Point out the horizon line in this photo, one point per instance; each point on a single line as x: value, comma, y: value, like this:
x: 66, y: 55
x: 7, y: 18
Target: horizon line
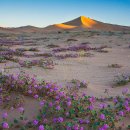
x: 60, y: 23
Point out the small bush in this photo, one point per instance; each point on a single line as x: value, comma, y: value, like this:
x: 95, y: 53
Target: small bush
x: 114, y: 66
x: 122, y: 80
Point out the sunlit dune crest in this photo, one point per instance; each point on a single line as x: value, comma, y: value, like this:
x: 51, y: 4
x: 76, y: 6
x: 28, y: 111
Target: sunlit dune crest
x: 87, y: 22
x: 82, y: 21
x: 64, y: 26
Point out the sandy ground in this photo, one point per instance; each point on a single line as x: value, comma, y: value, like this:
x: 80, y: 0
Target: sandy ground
x: 94, y: 69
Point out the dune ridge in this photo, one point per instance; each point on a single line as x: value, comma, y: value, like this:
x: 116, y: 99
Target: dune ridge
x: 88, y: 23
x: 81, y: 22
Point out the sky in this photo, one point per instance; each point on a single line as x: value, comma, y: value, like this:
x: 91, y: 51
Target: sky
x: 41, y: 13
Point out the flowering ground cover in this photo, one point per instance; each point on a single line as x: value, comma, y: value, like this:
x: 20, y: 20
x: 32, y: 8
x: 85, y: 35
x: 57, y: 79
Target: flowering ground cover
x: 24, y: 49
x: 59, y: 109
x: 72, y: 55
x: 80, y: 47
x: 8, y: 54
x: 44, y: 63
x: 60, y: 97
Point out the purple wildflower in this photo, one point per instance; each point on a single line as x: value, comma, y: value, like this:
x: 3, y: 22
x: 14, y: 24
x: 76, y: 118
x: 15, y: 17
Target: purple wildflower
x: 102, y: 106
x: 67, y: 113
x: 81, y: 128
x: 105, y: 126
x: 58, y: 108
x: 90, y: 107
x: 121, y: 113
x: 5, y: 115
x: 41, y: 127
x: 36, y: 96
x: 87, y: 121
x: 55, y: 120
x: 128, y: 109
x: 76, y: 127
x: 102, y: 116
x: 35, y: 86
x: 42, y: 103
x: 68, y: 128
x: 35, y: 122
x: 81, y: 121
x: 29, y: 91
x: 125, y: 91
x: 5, y: 125
x: 115, y: 100
x: 60, y: 119
x: 69, y: 103
x: 21, y: 109
x: 50, y: 104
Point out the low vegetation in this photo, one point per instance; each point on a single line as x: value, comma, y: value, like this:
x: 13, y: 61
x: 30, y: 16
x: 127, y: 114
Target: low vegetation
x: 59, y: 110
x: 122, y: 80
x: 114, y: 66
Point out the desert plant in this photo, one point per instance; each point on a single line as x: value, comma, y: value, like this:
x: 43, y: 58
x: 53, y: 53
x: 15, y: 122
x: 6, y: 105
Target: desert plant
x: 33, y: 49
x: 114, y: 66
x: 122, y: 80
x: 60, y: 110
x: 2, y: 59
x: 53, y: 46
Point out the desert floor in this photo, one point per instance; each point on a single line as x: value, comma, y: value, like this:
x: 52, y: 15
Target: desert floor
x: 93, y: 69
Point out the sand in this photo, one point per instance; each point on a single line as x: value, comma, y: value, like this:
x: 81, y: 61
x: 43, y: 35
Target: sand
x: 93, y: 69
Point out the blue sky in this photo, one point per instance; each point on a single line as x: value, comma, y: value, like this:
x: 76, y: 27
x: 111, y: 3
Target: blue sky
x: 41, y: 13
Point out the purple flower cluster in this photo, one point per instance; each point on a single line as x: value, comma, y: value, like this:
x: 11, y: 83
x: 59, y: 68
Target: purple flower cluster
x: 73, y: 48
x: 58, y: 120
x: 104, y: 127
x: 58, y: 109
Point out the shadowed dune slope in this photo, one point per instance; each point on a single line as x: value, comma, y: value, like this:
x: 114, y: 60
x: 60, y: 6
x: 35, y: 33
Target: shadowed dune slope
x: 79, y: 23
x: 85, y: 22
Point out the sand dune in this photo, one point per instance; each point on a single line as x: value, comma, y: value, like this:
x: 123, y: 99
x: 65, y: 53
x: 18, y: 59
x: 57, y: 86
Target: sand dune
x: 65, y: 26
x: 98, y: 67
x: 5, y: 30
x: 85, y: 22
x: 81, y: 22
x: 28, y: 29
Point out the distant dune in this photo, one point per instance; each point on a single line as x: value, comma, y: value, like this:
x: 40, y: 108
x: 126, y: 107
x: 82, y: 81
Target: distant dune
x: 5, y: 30
x: 81, y: 22
x: 28, y: 29
x: 85, y: 22
x: 65, y: 26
